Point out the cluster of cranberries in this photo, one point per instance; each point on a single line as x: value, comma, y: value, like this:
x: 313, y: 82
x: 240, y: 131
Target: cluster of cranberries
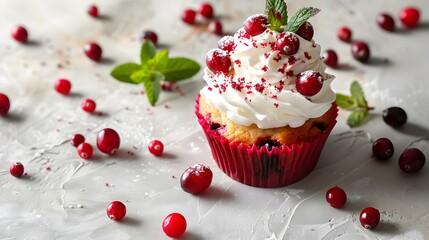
x: 63, y: 86
x: 205, y: 10
x: 108, y: 142
x: 409, y: 18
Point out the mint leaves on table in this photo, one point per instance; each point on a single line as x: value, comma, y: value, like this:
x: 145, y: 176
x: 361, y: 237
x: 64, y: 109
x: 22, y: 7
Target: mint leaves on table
x: 276, y: 11
x: 154, y: 68
x: 355, y: 103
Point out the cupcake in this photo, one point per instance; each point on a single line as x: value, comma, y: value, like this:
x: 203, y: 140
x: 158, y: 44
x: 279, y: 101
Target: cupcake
x: 268, y: 107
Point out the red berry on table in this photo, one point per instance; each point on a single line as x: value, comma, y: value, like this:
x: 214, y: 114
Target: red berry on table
x: 89, y: 105
x: 215, y: 27
x: 309, y: 83
x: 218, y: 61
x: 151, y: 36
x: 360, y: 51
x: 330, y: 58
x: 412, y: 160
x: 306, y: 31
x: 174, y: 225
x: 156, y: 147
x: 20, y: 34
x: 226, y: 43
x: 188, y: 16
x: 394, y: 116
x: 63, y: 86
x: 116, y: 210
x: 336, y: 197
x: 256, y: 24
x: 17, y: 169
x: 287, y: 43
x: 93, y: 51
x: 369, y: 217
x: 85, y: 150
x: 196, y: 179
x: 4, y: 104
x: 382, y: 148
x: 386, y: 22
x: 93, y: 11
x: 344, y: 34
x: 108, y: 141
x: 410, y: 17
x: 77, y: 139
x: 206, y: 10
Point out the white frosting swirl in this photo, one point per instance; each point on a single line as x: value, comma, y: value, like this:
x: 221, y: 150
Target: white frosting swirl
x: 261, y: 87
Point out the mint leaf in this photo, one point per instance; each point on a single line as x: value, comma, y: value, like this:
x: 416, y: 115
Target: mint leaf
x: 147, y: 52
x: 152, y: 86
x: 346, y: 102
x: 159, y: 61
x: 300, y: 17
x: 179, y: 68
x: 276, y: 11
x: 358, y: 95
x: 357, y: 118
x: 124, y: 71
x: 139, y: 76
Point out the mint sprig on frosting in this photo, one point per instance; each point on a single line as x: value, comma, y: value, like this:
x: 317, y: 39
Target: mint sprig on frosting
x: 276, y: 11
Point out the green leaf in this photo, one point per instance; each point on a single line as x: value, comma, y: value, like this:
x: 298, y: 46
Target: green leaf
x: 147, y: 52
x: 300, y: 17
x: 159, y: 61
x: 152, y: 86
x: 276, y: 10
x: 358, y: 95
x: 124, y: 71
x: 179, y: 68
x: 139, y: 76
x: 357, y: 118
x: 346, y: 102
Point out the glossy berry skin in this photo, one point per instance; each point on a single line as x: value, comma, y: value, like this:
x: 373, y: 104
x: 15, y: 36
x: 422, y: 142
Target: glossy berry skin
x: 360, y: 51
x: 369, y: 217
x: 218, y: 61
x: 63, y: 86
x: 206, y: 10
x: 287, y: 43
x: 410, y: 17
x: 85, y: 150
x: 17, y: 169
x: 151, y: 36
x: 309, y: 83
x: 174, y: 225
x: 93, y: 11
x: 330, y: 58
x: 108, y: 141
x: 156, y: 147
x: 394, y: 116
x: 188, y: 16
x: 93, y: 51
x: 386, y: 22
x: 336, y: 197
x: 306, y: 31
x: 196, y: 179
x: 20, y: 34
x: 382, y: 148
x: 116, y: 210
x: 226, y: 43
x: 256, y: 24
x: 77, y: 139
x: 412, y: 160
x: 4, y: 104
x: 89, y: 105
x: 345, y: 34
x: 215, y: 27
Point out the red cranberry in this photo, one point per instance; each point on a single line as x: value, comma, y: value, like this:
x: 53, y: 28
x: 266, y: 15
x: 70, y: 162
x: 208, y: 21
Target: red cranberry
x: 4, y: 104
x: 360, y: 51
x: 394, y: 116
x: 89, y: 105
x: 369, y: 217
x: 412, y: 160
x: 215, y: 27
x: 226, y: 43
x: 156, y: 147
x: 116, y: 210
x: 63, y: 86
x: 206, y: 10
x: 151, y: 36
x: 85, y: 150
x: 256, y: 24
x: 188, y: 16
x: 410, y: 17
x: 309, y: 83
x: 93, y: 11
x: 382, y: 148
x: 108, y: 141
x: 16, y: 169
x: 287, y: 43
x: 344, y: 34
x: 306, y: 31
x: 174, y: 225
x: 330, y: 58
x: 218, y: 61
x: 93, y: 51
x: 196, y: 179
x: 386, y: 22
x: 77, y: 139
x: 20, y: 34
x: 336, y: 197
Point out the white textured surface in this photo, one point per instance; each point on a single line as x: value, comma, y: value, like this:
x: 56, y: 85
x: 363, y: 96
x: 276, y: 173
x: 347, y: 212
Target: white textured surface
x: 69, y: 201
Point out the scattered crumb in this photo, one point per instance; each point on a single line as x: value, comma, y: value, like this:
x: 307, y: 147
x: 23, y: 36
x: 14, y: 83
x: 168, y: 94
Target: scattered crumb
x: 107, y: 184
x: 174, y: 177
x: 59, y: 65
x: 149, y: 111
x: 48, y: 168
x: 166, y: 106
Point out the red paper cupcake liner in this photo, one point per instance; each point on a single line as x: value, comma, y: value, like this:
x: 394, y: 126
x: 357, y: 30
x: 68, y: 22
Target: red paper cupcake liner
x: 259, y: 167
